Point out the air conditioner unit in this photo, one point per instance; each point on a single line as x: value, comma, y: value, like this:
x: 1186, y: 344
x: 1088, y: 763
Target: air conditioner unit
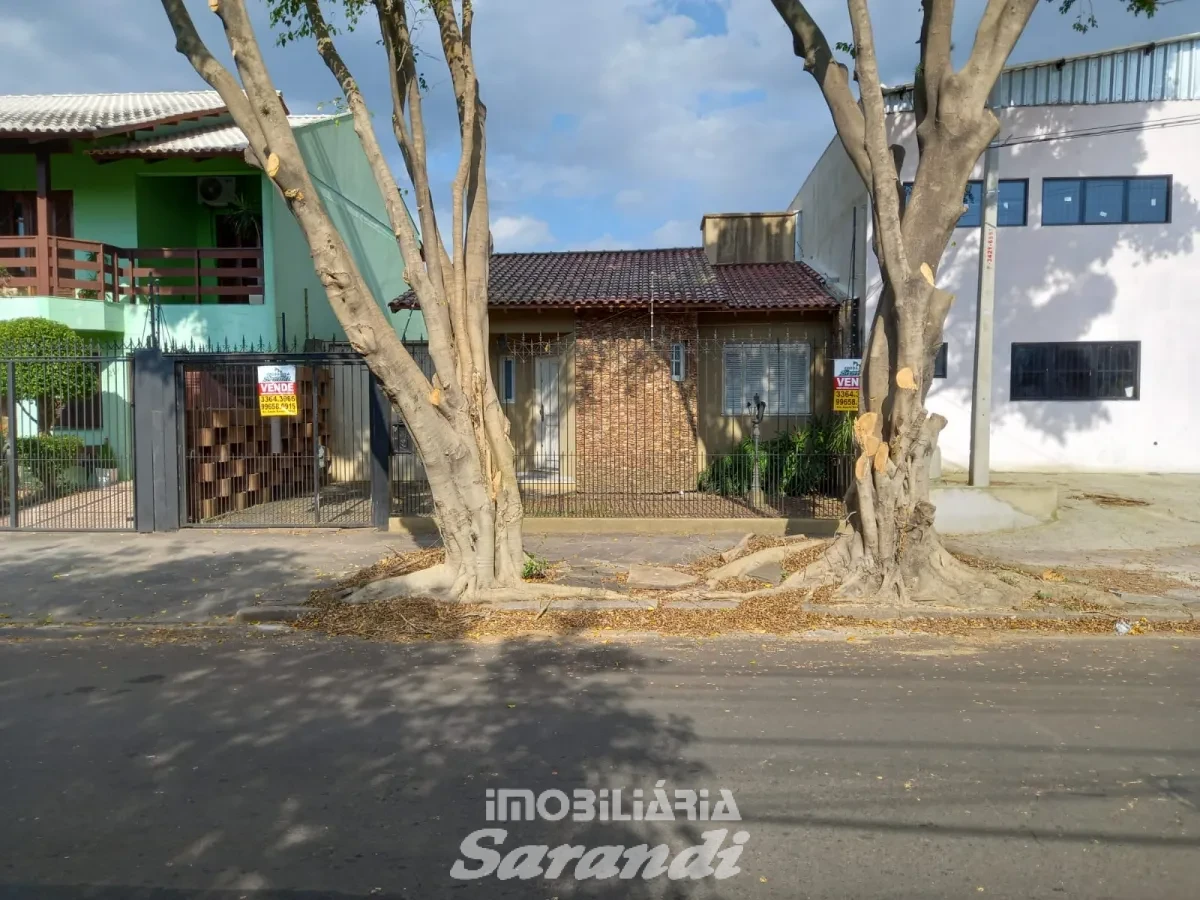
x: 216, y: 190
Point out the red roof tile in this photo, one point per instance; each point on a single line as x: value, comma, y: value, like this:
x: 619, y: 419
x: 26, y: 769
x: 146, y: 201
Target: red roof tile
x: 678, y: 277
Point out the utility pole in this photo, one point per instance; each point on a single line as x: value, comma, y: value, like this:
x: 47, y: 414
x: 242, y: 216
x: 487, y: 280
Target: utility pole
x: 981, y: 392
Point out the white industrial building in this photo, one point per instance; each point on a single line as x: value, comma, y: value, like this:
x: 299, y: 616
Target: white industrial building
x: 1097, y: 302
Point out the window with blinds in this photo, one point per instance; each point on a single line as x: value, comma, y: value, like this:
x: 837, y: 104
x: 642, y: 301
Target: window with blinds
x: 778, y: 373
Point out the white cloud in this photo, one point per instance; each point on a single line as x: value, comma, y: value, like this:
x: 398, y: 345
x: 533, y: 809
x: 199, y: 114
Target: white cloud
x: 517, y: 233
x: 604, y: 242
x: 627, y: 110
x: 629, y: 197
x: 677, y: 233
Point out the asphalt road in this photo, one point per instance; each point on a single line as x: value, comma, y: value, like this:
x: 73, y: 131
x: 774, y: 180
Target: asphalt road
x: 304, y: 768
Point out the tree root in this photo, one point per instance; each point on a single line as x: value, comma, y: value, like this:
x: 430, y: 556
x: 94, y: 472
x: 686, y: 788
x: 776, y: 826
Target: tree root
x: 925, y: 575
x: 436, y: 582
x: 443, y: 585
x: 744, y: 564
x: 548, y: 592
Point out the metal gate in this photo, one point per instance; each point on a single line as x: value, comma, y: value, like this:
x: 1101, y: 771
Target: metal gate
x: 66, y: 435
x: 242, y: 469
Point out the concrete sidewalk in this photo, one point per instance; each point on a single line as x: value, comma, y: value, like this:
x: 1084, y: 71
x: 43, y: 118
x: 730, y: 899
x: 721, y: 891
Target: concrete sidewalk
x: 1133, y: 522
x: 207, y: 575
x: 1144, y: 523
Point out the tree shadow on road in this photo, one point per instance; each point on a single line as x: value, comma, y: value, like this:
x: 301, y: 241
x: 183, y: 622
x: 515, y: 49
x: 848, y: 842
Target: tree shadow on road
x: 343, y: 769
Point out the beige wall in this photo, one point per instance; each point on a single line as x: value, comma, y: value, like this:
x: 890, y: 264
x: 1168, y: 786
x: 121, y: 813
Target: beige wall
x: 720, y: 433
x: 749, y: 237
x: 833, y: 209
x: 526, y: 336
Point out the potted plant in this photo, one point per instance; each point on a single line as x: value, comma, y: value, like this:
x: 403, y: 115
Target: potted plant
x: 6, y: 288
x: 107, y: 472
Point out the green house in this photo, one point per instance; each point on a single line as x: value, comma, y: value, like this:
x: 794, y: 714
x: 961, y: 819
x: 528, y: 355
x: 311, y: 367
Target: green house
x: 114, y: 205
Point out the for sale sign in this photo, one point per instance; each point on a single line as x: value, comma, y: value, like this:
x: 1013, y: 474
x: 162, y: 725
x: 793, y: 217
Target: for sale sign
x: 847, y: 375
x: 277, y: 391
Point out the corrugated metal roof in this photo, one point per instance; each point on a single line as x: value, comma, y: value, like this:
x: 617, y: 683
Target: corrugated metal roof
x: 225, y: 138
x: 1160, y: 70
x: 89, y: 114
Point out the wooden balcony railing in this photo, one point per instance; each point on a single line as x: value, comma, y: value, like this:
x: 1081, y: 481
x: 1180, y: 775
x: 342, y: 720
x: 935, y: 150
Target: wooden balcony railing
x: 87, y: 270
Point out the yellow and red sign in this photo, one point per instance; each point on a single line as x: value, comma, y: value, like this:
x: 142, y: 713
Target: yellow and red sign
x: 847, y: 381
x: 845, y: 400
x: 277, y: 391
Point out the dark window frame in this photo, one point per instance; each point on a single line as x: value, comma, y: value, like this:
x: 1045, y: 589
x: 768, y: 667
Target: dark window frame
x: 1124, y: 219
x: 1024, y: 182
x: 1053, y: 375
x: 941, y: 363
x: 908, y: 186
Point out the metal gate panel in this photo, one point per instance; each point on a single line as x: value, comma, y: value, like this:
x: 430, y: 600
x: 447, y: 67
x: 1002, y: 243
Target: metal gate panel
x: 242, y: 469
x: 67, y: 439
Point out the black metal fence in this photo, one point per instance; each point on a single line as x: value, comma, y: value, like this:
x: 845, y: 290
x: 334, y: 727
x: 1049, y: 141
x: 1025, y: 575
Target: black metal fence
x: 608, y: 423
x: 309, y: 467
x: 618, y: 422
x: 66, y: 422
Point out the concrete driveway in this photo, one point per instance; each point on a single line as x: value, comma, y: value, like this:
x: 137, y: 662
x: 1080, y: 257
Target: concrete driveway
x: 1137, y: 522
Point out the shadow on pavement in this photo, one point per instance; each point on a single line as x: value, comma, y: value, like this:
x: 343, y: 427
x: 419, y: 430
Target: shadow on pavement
x: 346, y: 770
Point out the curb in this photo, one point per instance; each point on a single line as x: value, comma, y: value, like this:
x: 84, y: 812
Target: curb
x: 33, y: 629
x: 255, y: 614
x: 907, y: 614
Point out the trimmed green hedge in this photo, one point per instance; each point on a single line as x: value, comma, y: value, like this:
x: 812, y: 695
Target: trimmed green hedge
x: 47, y: 379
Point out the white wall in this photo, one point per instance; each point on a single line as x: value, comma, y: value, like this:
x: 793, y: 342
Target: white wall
x: 827, y: 203
x: 1082, y: 283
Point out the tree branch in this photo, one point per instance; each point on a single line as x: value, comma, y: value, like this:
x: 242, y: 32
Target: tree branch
x: 432, y: 308
x: 885, y: 182
x: 189, y: 44
x: 937, y: 22
x: 259, y: 113
x: 809, y: 43
x: 1000, y: 26
x: 406, y: 93
x: 466, y: 93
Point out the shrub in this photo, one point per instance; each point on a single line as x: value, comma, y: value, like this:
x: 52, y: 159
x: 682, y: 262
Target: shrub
x: 102, y: 457
x: 46, y: 380
x: 48, y: 456
x: 535, y: 567
x: 70, y: 480
x: 804, y: 461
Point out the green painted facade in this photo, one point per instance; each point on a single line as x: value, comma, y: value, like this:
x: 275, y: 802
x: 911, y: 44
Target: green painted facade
x: 343, y: 179
x: 140, y: 203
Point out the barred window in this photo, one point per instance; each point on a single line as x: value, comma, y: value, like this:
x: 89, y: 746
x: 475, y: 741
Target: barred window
x: 1080, y: 370
x: 778, y: 373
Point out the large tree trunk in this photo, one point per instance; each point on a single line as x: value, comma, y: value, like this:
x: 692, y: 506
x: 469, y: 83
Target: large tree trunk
x: 455, y: 417
x: 890, y: 550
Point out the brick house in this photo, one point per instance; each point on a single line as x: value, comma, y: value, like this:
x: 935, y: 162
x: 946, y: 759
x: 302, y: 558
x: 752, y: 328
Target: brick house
x: 628, y: 371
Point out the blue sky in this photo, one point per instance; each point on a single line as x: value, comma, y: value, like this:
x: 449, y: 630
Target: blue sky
x: 612, y: 123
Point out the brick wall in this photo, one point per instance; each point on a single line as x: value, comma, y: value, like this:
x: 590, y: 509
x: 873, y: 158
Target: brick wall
x: 635, y: 428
